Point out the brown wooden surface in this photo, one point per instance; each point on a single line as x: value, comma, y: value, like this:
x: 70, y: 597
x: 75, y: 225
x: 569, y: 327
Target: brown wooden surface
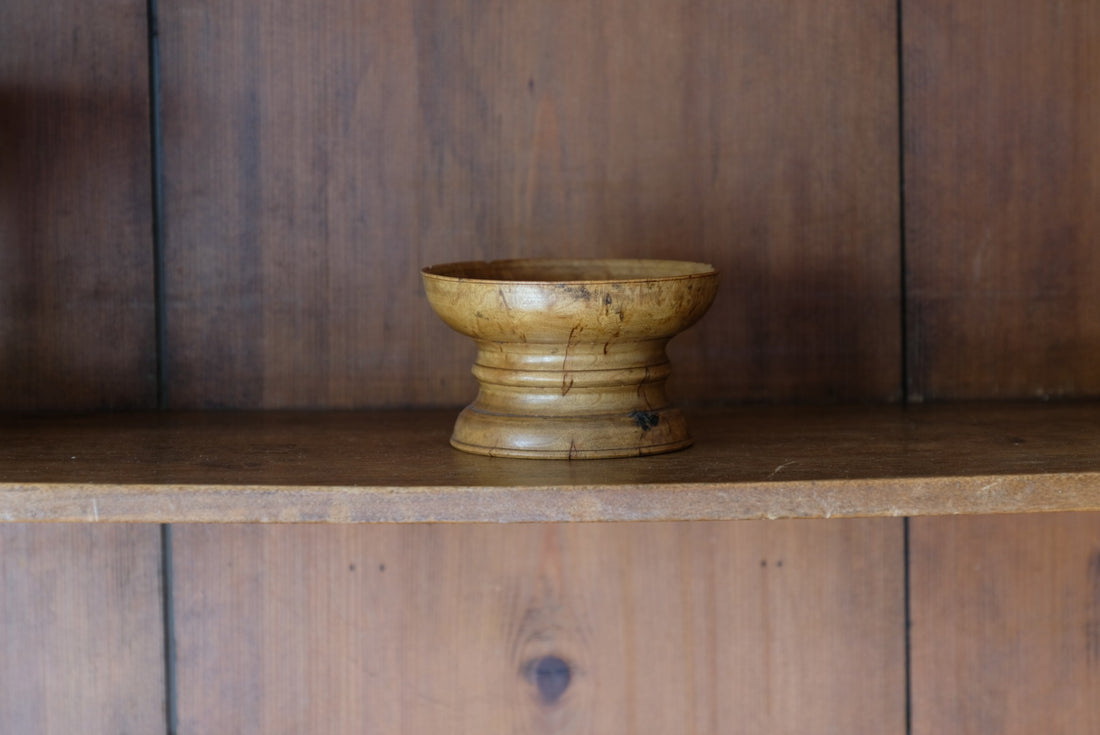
x: 1006, y: 624
x: 785, y: 627
x: 81, y: 645
x: 1002, y: 183
x: 397, y: 466
x: 76, y: 256
x: 1001, y: 161
x: 317, y: 157
x: 81, y: 629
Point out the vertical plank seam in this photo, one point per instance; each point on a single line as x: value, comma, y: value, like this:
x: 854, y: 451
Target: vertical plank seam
x: 171, y: 718
x: 156, y: 152
x: 905, y: 377
x: 156, y: 156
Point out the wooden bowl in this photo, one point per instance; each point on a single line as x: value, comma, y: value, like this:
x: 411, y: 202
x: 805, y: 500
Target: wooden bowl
x: 571, y: 356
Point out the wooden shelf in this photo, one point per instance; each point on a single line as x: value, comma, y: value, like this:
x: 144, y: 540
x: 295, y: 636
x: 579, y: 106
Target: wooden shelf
x: 396, y: 466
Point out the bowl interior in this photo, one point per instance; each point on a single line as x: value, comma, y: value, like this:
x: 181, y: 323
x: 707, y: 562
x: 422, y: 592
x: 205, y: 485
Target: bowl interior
x: 552, y: 270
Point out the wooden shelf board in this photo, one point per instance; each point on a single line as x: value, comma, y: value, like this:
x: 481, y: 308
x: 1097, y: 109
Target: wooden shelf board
x: 396, y: 466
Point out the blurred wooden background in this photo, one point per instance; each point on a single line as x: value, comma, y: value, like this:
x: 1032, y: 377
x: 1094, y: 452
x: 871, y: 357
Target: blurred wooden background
x: 897, y: 216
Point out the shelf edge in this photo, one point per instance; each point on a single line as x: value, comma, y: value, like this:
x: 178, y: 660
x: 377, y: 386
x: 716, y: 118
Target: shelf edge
x: 837, y: 498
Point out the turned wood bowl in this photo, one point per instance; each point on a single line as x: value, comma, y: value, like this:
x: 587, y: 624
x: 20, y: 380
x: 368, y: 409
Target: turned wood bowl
x: 571, y: 360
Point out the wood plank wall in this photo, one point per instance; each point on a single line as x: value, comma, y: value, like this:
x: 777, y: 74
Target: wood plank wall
x: 81, y: 629
x: 1001, y: 189
x: 664, y: 627
x: 316, y: 156
x: 1002, y: 181
x: 81, y: 620
x: 76, y: 297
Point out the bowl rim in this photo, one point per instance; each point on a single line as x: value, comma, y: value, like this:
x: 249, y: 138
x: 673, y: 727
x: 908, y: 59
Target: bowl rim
x: 701, y: 270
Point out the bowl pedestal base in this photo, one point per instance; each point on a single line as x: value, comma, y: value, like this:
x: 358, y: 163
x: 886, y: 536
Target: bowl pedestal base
x: 572, y: 401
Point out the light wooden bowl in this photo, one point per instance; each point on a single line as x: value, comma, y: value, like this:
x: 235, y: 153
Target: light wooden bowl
x: 571, y: 353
